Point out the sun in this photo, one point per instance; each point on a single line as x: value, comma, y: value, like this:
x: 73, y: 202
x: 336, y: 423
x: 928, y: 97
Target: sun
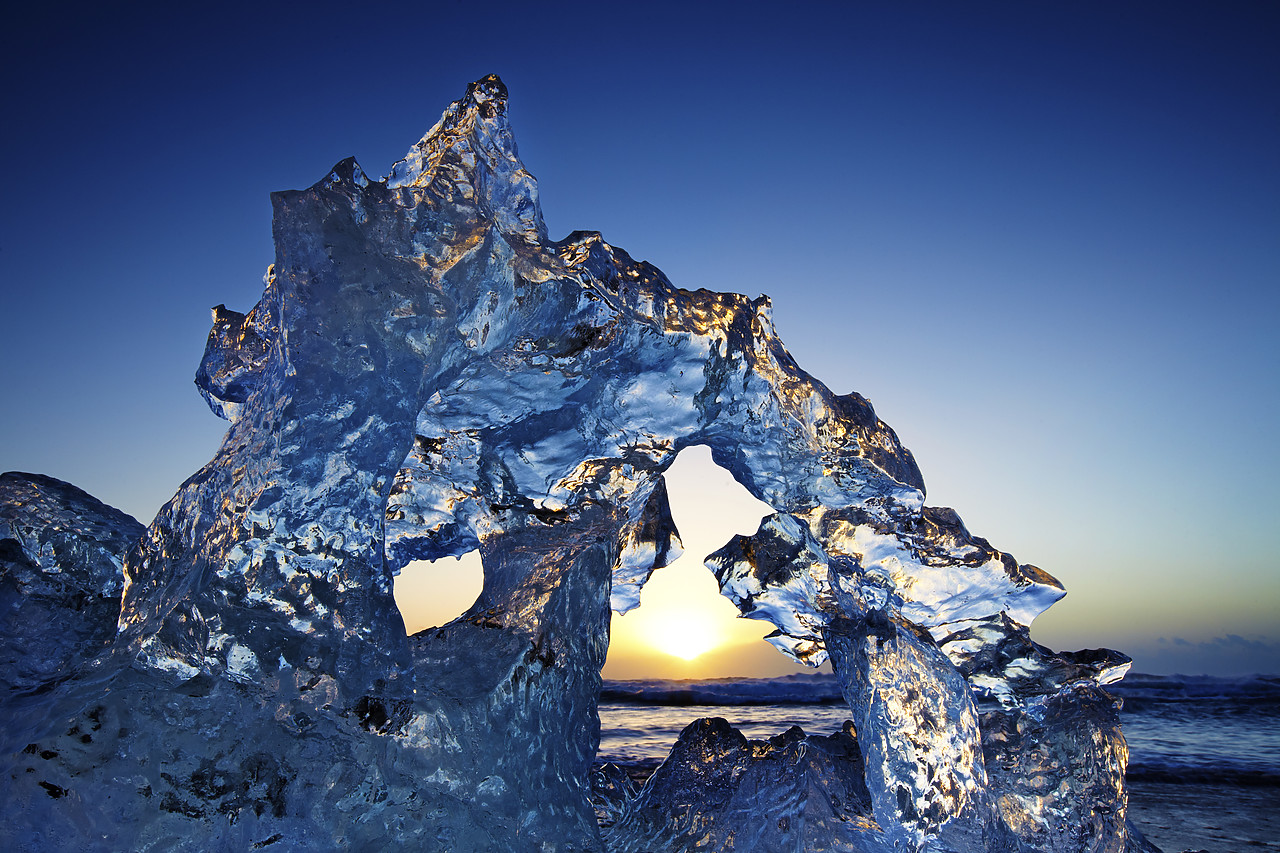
x: 683, y: 634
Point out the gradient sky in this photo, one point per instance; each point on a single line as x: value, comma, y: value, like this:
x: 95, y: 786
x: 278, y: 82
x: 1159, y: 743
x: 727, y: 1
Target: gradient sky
x: 1043, y: 238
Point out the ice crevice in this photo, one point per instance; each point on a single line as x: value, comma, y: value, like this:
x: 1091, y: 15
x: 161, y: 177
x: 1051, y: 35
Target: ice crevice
x: 428, y: 374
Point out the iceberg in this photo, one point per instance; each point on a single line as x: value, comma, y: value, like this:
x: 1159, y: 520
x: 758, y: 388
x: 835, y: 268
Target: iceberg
x: 61, y: 578
x: 720, y: 791
x: 428, y: 374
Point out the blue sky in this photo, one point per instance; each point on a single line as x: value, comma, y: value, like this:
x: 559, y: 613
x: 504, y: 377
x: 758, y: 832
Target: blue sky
x: 1043, y: 239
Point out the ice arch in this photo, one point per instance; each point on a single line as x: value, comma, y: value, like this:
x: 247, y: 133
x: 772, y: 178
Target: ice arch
x: 428, y: 374
x: 684, y: 627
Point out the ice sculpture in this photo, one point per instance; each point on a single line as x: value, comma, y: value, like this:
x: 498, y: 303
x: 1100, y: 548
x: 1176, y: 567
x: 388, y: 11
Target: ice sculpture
x: 428, y: 374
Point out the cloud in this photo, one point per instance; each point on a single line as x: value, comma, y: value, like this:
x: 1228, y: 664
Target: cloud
x: 1230, y: 654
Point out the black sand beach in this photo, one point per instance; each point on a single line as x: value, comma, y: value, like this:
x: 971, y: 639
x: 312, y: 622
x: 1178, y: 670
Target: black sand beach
x: 1214, y: 818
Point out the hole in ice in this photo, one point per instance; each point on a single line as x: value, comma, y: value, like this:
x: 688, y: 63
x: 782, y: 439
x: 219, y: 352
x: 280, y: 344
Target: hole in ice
x: 681, y: 608
x: 684, y: 627
x: 431, y: 593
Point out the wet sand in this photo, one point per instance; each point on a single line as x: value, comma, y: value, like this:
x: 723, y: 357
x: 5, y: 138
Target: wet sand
x: 1213, y: 818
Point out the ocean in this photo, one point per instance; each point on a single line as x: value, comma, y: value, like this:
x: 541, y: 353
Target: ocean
x: 1204, y: 752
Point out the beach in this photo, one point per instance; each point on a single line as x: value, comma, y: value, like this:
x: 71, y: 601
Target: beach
x: 1212, y: 817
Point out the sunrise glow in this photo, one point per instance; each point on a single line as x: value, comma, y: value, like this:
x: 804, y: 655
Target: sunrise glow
x: 684, y: 627
x: 682, y: 634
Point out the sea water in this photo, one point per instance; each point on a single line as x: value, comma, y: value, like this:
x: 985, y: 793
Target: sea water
x: 635, y: 734
x: 1179, y: 728
x: 1202, y: 729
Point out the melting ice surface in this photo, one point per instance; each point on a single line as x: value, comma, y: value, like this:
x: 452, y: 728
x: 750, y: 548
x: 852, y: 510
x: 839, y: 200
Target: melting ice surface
x: 428, y: 374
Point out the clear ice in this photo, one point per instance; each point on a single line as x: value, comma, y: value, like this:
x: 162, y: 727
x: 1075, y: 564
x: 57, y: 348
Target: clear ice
x: 428, y: 374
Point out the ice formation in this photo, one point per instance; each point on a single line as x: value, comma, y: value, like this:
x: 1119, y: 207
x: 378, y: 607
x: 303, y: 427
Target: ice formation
x: 427, y: 374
